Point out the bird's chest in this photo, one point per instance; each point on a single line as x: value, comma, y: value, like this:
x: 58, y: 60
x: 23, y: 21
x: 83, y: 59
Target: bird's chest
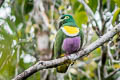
x: 71, y: 45
x: 70, y: 31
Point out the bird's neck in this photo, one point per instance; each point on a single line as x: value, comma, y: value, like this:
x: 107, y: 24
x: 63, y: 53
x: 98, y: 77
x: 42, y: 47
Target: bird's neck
x: 70, y: 24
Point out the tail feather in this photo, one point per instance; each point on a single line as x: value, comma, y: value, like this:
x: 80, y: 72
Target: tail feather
x: 63, y: 68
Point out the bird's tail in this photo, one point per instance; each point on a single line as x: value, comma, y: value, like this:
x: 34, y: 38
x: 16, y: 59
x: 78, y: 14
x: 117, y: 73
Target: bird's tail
x: 64, y: 66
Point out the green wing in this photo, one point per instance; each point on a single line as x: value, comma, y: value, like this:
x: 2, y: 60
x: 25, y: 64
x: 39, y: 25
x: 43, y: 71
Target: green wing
x: 81, y: 36
x: 57, y: 49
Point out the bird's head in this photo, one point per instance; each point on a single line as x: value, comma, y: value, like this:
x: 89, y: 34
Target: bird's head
x: 65, y: 19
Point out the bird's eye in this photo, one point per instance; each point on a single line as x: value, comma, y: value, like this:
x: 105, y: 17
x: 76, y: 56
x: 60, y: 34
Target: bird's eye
x: 66, y: 17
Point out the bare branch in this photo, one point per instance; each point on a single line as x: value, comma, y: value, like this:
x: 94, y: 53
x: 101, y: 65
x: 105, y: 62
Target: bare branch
x: 98, y: 70
x: 100, y: 8
x: 1, y: 2
x: 108, y: 4
x: 84, y: 73
x: 110, y: 55
x: 87, y: 8
x: 90, y: 12
x: 111, y: 74
x: 103, y: 61
x: 53, y: 63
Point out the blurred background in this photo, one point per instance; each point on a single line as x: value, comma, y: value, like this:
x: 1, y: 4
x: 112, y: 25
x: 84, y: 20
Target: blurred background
x: 28, y: 29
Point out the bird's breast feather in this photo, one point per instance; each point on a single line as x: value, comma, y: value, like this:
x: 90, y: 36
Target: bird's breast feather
x: 70, y: 31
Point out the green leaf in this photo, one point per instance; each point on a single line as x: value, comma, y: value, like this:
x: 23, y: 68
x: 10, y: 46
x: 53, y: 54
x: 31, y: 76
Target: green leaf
x: 93, y: 4
x: 7, y: 60
x: 117, y: 2
x: 81, y: 18
x: 28, y: 6
x: 115, y: 16
x: 77, y: 6
x: 11, y: 25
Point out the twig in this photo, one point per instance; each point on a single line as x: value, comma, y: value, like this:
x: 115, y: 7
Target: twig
x: 40, y: 10
x: 98, y: 70
x: 1, y: 2
x: 100, y: 8
x: 90, y: 12
x: 87, y: 8
x: 108, y: 4
x: 104, y: 47
x: 84, y: 73
x: 103, y: 61
x: 97, y: 31
x: 110, y: 55
x: 53, y: 63
x: 112, y: 73
x: 18, y: 58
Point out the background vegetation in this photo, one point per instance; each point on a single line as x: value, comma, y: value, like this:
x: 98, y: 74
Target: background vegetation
x: 28, y: 28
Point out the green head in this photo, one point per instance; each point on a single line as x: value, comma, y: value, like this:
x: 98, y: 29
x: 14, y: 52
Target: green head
x: 67, y: 20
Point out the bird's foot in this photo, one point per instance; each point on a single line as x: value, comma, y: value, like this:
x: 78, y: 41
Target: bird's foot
x: 72, y: 57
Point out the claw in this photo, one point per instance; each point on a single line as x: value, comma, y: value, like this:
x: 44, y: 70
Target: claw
x: 72, y: 56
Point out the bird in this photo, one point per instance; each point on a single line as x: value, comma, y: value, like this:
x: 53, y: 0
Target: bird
x: 69, y: 39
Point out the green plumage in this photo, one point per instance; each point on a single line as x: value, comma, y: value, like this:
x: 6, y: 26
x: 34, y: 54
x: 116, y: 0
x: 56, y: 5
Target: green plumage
x: 58, y: 50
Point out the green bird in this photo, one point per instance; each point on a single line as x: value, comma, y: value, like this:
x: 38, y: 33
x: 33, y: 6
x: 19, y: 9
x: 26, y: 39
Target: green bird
x: 69, y: 39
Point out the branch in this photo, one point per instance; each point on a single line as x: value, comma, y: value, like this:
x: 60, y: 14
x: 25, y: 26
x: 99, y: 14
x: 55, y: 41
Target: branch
x: 103, y: 61
x: 1, y: 2
x: 110, y: 55
x: 53, y: 63
x: 111, y: 74
x: 90, y: 12
x: 87, y: 8
x: 108, y: 4
x: 100, y: 8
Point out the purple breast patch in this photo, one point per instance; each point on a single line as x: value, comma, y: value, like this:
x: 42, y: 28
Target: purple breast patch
x: 71, y: 45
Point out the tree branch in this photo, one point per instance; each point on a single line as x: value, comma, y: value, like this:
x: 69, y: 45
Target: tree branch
x: 1, y: 2
x: 111, y: 74
x: 108, y: 4
x: 100, y: 8
x: 87, y: 8
x: 53, y: 63
x: 90, y: 13
x: 103, y: 61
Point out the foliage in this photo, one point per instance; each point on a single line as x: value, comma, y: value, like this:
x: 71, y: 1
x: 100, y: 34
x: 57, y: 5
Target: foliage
x: 25, y: 23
